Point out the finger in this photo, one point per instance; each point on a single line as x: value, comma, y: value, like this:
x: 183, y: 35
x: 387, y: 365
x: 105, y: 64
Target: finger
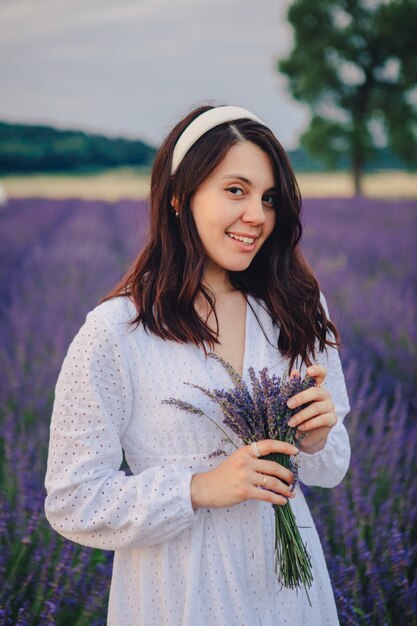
x: 269, y: 446
x: 295, y: 373
x: 314, y: 409
x: 254, y: 493
x: 326, y: 420
x: 318, y: 372
x: 312, y: 394
x: 274, y: 469
x: 273, y: 484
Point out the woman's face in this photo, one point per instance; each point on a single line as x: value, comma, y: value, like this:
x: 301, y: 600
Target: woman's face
x: 234, y: 207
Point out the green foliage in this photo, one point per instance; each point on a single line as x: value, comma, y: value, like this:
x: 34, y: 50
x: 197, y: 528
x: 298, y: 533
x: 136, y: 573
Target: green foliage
x: 355, y: 63
x: 25, y: 148
x: 383, y: 159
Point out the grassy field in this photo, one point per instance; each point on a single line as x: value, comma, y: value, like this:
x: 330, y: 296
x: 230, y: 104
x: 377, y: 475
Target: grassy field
x: 113, y: 185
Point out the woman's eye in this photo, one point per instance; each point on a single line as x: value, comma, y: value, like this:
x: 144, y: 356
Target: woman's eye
x: 269, y: 198
x: 235, y: 190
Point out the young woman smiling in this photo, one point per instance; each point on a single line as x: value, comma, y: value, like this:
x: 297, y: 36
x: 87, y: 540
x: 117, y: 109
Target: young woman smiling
x: 222, y: 272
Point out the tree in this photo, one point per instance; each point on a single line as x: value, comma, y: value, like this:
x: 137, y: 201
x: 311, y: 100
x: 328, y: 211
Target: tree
x: 355, y: 63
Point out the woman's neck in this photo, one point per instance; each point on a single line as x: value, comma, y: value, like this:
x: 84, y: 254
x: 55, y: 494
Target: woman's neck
x: 217, y: 280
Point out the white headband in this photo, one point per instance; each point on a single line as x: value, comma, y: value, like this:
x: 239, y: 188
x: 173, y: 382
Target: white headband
x: 203, y: 123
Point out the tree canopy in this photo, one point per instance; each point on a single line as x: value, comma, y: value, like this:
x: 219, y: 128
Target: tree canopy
x: 33, y: 148
x: 354, y: 62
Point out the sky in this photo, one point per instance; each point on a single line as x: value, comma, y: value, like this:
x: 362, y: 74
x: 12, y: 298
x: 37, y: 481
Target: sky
x: 135, y: 67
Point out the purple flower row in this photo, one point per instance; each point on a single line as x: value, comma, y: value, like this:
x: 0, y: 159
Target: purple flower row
x: 62, y: 256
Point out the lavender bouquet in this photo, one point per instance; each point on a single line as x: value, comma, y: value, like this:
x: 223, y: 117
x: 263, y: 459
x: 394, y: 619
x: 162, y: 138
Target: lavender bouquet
x: 262, y: 413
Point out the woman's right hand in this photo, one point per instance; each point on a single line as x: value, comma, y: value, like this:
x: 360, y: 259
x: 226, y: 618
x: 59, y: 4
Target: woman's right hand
x: 241, y: 475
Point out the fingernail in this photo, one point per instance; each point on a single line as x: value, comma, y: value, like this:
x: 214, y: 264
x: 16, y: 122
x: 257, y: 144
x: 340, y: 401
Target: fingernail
x: 295, y: 451
x: 291, y: 422
x: 291, y: 403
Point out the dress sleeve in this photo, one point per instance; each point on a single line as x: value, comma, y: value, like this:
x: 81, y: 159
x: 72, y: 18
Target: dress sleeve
x: 327, y: 467
x: 89, y: 499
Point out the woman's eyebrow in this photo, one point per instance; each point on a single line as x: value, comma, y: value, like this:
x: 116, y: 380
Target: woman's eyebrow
x: 245, y: 180
x: 237, y: 176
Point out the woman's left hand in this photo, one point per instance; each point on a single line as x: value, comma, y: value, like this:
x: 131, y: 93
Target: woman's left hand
x: 318, y: 418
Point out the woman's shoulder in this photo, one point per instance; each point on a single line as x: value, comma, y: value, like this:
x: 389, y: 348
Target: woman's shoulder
x: 114, y: 314
x: 323, y: 302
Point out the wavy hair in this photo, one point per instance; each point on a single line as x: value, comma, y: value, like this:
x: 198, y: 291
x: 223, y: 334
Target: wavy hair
x: 167, y: 277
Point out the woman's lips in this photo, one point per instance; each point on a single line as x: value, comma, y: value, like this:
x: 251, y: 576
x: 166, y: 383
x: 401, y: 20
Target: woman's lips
x: 242, y: 237
x: 243, y: 242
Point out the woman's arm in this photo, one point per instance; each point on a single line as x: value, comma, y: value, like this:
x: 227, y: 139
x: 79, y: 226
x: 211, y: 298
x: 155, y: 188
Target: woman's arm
x: 89, y: 500
x: 325, y: 452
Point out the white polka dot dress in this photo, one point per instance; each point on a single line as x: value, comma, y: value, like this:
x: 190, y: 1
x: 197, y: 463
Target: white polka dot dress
x: 174, y: 566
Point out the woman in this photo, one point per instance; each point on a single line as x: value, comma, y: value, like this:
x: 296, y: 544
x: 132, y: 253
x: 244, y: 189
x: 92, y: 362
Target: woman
x: 222, y: 272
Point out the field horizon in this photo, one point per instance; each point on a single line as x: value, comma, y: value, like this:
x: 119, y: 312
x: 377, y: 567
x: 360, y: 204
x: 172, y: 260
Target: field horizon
x: 127, y: 183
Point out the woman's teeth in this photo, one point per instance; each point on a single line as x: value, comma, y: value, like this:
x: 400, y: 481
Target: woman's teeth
x: 247, y: 240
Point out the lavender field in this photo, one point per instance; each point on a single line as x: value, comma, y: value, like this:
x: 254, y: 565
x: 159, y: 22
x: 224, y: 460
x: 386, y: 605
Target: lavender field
x: 57, y: 258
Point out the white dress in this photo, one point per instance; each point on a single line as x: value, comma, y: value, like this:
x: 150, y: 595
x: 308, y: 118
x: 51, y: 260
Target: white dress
x: 173, y: 566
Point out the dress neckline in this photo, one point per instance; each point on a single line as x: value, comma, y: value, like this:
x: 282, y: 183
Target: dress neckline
x: 248, y: 319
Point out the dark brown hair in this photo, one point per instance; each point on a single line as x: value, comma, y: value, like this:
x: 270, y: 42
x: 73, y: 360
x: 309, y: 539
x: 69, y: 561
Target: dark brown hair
x: 167, y: 276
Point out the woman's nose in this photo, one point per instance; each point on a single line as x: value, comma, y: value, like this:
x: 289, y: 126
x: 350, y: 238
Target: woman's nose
x: 254, y: 212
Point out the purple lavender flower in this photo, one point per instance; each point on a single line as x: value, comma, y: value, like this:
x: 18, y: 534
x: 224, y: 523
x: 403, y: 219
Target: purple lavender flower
x: 58, y: 257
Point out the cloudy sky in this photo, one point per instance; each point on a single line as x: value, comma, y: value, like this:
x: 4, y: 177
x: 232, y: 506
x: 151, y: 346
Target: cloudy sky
x: 133, y: 67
